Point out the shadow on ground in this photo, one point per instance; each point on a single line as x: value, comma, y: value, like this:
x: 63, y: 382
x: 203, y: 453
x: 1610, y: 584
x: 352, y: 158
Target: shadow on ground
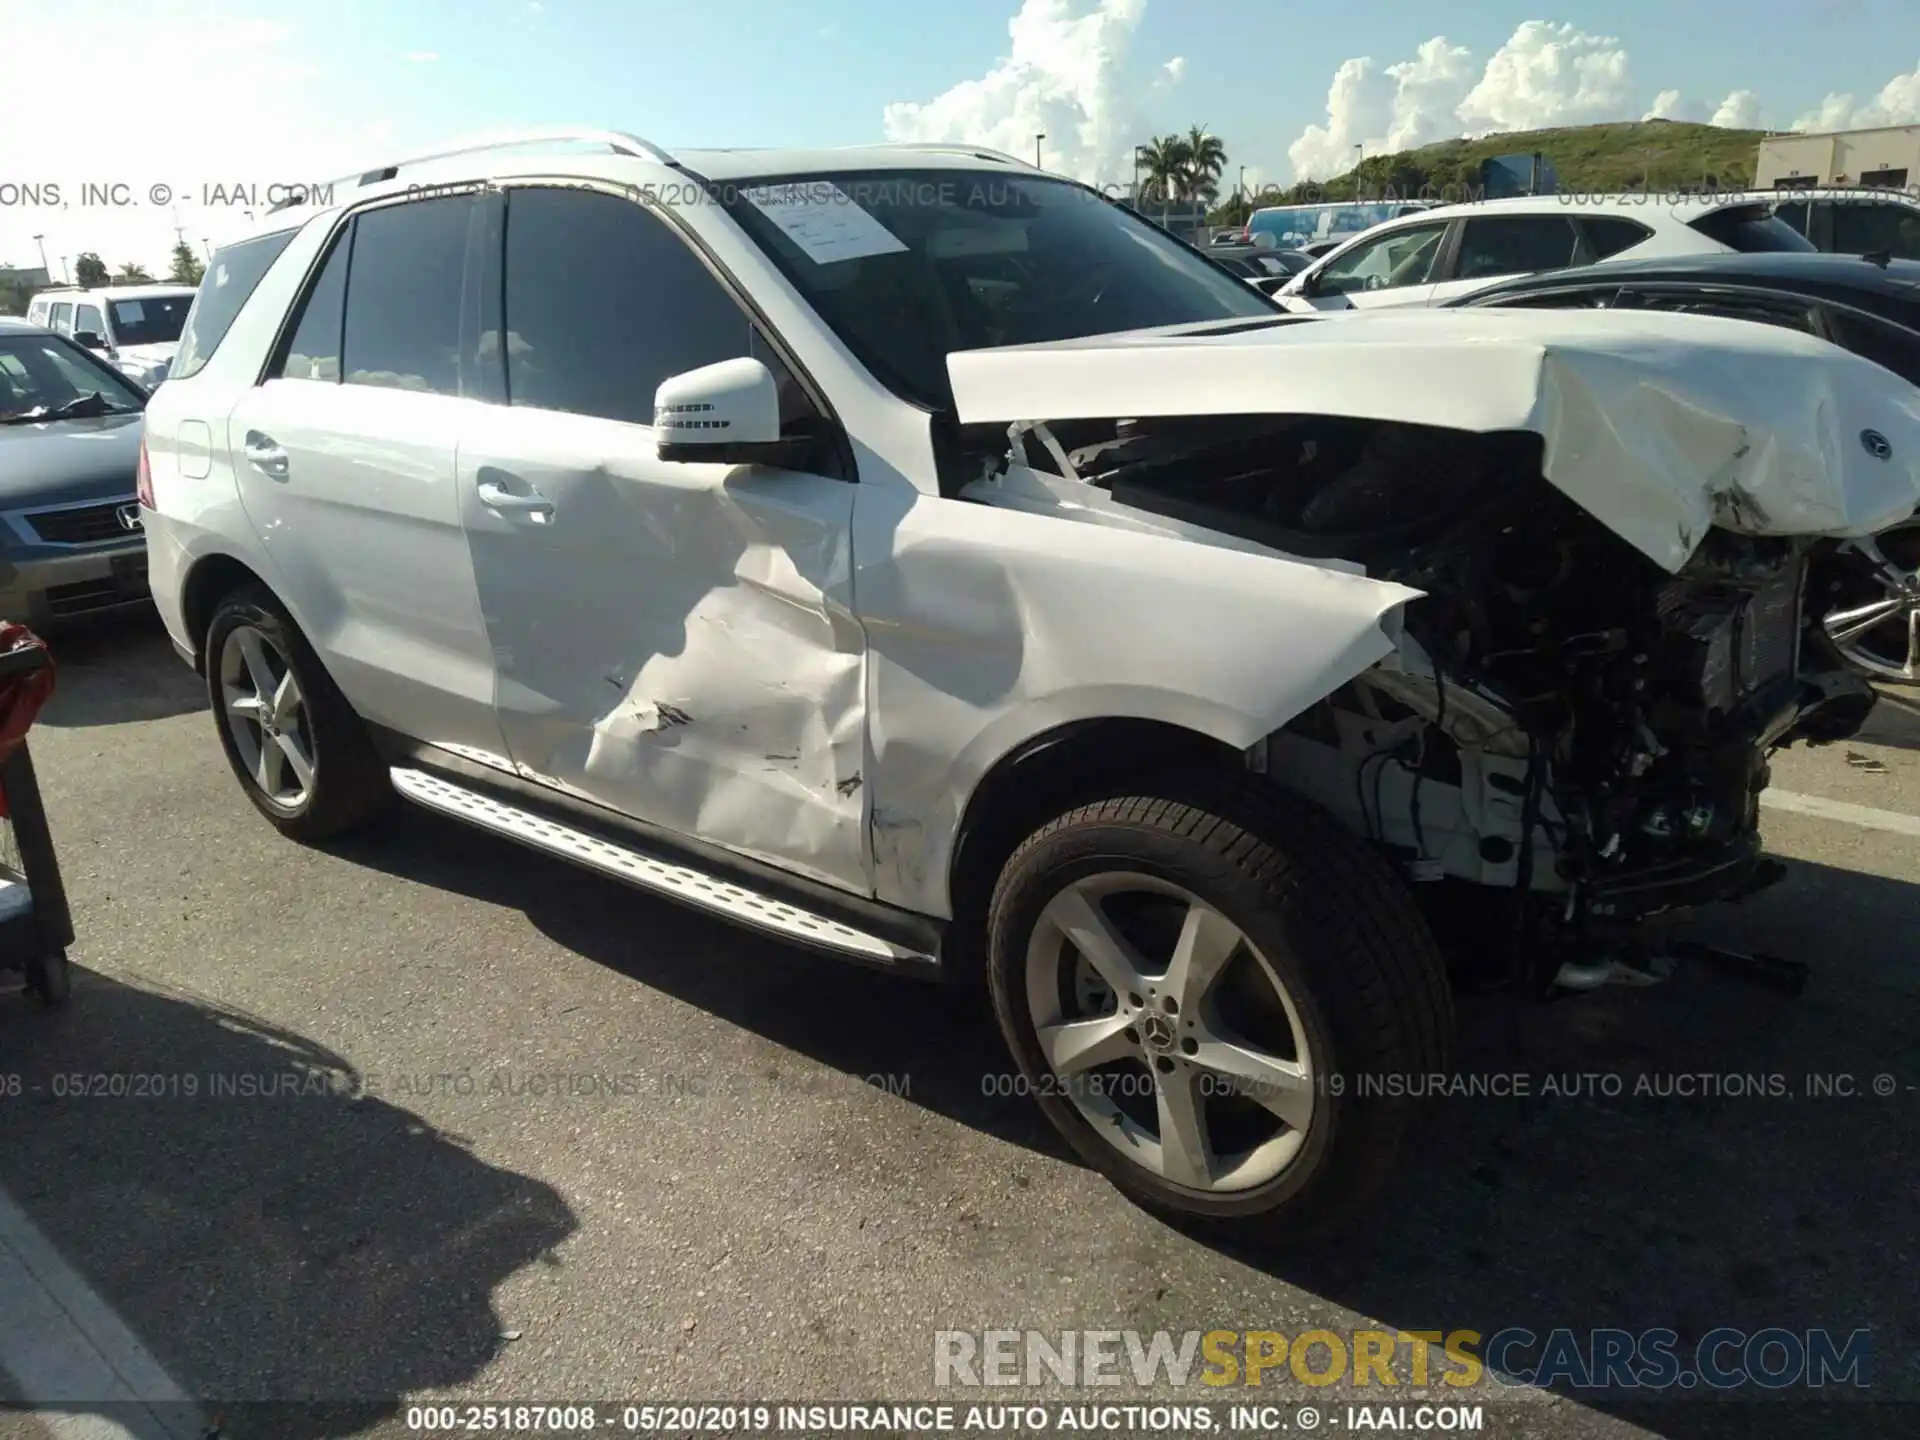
x: 1745, y: 1202
x: 1895, y: 720
x: 338, y: 1247
x: 116, y: 669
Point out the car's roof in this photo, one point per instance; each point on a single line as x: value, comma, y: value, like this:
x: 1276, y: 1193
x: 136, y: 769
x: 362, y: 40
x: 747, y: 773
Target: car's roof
x: 1852, y: 271
x: 1637, y: 204
x: 727, y: 166
x: 747, y: 164
x: 1342, y: 204
x: 13, y: 325
x: 1892, y: 290
x: 144, y: 292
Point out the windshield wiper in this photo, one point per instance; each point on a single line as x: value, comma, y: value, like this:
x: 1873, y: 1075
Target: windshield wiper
x: 83, y: 406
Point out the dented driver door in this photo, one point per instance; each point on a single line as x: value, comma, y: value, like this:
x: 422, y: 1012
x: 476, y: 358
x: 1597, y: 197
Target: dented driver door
x: 672, y: 640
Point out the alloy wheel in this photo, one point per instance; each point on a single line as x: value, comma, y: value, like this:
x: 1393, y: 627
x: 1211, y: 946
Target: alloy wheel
x: 1877, y: 624
x: 267, y: 716
x: 1170, y: 1032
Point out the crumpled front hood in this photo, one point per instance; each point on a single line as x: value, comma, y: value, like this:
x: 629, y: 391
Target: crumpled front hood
x: 1660, y: 426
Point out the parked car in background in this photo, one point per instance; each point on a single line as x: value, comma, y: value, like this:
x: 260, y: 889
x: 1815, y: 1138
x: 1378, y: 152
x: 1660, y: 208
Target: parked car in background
x: 1444, y: 253
x: 1855, y: 222
x: 71, y: 542
x: 1870, y: 308
x: 1291, y: 227
x: 136, y: 327
x: 1263, y: 267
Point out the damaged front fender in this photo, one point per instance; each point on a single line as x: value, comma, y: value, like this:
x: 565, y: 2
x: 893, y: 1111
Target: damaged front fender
x: 988, y: 626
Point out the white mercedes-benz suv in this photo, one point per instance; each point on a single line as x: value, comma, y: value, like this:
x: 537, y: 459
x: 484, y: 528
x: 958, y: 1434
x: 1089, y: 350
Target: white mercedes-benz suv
x: 922, y: 558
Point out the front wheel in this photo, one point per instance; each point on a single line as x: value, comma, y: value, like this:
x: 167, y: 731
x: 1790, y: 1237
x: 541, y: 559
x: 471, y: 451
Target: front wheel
x: 1216, y: 995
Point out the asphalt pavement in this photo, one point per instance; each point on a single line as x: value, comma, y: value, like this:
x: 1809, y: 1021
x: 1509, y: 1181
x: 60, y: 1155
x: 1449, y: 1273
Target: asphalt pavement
x: 425, y: 1115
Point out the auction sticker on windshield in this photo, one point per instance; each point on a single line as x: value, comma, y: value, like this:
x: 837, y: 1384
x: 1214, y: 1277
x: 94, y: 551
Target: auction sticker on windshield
x: 823, y: 221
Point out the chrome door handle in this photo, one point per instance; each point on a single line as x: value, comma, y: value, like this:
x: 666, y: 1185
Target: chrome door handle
x: 494, y: 498
x: 266, y: 456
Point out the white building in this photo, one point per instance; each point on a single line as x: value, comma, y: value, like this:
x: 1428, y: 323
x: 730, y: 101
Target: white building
x: 1887, y: 156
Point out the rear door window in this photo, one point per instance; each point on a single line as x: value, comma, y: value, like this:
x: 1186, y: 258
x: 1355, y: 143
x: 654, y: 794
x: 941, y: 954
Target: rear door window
x: 63, y: 318
x: 404, y: 293
x: 1516, y: 245
x: 224, y: 289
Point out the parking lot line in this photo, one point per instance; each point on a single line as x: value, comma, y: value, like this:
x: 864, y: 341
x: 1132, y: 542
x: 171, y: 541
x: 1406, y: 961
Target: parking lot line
x: 65, y: 1350
x: 1846, y: 813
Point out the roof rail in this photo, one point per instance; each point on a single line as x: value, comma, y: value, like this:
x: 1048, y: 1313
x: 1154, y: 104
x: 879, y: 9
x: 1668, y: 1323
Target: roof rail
x: 950, y: 148
x: 617, y: 141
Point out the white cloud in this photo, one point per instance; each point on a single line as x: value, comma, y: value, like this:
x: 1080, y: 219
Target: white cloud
x: 423, y: 57
x: 218, y: 64
x: 1739, y: 111
x: 1898, y: 103
x: 1066, y: 76
x: 1548, y: 75
x: 1373, y: 111
x: 1544, y: 75
x: 1667, y: 106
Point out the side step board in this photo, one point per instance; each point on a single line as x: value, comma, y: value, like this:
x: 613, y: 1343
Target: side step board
x: 670, y: 878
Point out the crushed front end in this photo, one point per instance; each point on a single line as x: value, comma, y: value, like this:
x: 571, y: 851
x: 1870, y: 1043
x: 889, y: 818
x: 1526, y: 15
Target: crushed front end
x: 1566, y: 725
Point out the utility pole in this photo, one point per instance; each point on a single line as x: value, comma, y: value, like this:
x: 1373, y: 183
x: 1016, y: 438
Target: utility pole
x: 41, y: 241
x: 1036, y: 150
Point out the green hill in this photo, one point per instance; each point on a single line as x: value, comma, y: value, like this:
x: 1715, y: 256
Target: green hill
x: 1602, y: 159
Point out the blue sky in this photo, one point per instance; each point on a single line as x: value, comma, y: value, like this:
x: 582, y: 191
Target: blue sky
x: 257, y: 91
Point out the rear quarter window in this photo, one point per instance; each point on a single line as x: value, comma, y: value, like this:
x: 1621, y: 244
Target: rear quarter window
x: 1609, y: 235
x: 230, y: 279
x: 1751, y: 229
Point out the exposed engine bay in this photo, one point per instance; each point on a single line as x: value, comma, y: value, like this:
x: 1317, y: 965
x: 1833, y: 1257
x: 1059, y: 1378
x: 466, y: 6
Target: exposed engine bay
x: 1564, y: 718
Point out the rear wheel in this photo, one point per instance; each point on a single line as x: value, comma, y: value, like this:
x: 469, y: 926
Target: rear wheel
x: 1206, y: 987
x: 300, y: 753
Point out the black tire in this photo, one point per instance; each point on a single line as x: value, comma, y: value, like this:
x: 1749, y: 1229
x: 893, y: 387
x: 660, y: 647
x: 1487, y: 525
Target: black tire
x: 350, y: 785
x: 1342, y: 933
x: 49, y: 979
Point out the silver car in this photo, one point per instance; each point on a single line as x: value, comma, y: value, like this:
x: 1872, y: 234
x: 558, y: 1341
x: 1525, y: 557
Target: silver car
x: 71, y: 542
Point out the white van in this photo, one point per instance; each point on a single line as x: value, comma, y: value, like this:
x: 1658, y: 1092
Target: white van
x: 134, y: 327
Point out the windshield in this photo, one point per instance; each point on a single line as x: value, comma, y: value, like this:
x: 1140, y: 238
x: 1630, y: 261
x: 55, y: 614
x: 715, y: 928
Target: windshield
x: 43, y: 372
x: 151, y: 320
x: 909, y: 266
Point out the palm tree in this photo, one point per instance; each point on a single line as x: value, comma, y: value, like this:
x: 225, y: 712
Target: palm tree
x: 1206, y: 162
x: 1165, y: 159
x: 132, y: 273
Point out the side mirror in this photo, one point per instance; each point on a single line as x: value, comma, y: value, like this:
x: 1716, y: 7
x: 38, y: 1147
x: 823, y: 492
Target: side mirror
x: 725, y: 413
x: 91, y: 339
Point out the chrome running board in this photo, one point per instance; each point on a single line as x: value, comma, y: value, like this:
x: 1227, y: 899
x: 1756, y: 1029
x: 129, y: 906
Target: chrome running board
x: 670, y: 878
